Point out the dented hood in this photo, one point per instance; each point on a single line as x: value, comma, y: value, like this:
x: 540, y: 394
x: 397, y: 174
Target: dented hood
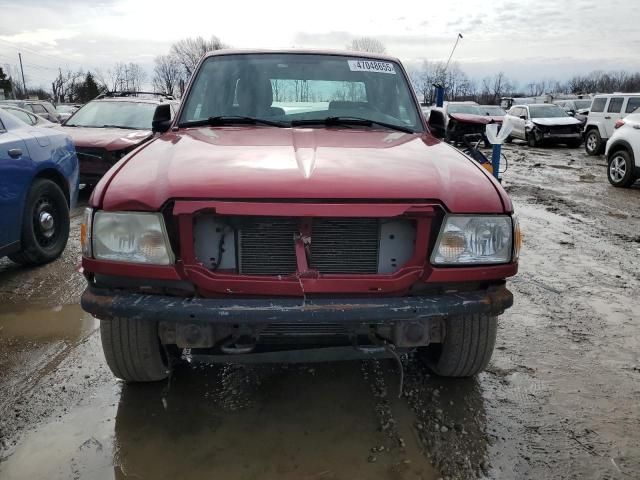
x: 110, y: 139
x: 298, y: 163
x: 556, y: 121
x: 470, y: 118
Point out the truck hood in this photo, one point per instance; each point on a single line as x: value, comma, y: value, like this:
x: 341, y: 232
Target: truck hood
x: 111, y: 139
x: 470, y: 118
x: 298, y: 163
x: 556, y: 121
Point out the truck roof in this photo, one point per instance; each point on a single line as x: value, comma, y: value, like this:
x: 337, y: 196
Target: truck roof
x: 301, y: 51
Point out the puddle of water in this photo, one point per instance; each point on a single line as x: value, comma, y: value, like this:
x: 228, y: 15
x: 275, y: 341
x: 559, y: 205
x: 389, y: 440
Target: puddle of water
x: 237, y: 422
x: 34, y: 340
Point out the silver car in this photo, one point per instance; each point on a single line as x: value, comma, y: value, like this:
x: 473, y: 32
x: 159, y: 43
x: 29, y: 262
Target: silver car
x: 544, y: 123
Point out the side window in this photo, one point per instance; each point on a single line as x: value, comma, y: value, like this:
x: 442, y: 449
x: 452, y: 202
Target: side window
x: 632, y: 104
x: 24, y: 116
x: 615, y: 105
x: 598, y: 104
x: 38, y: 108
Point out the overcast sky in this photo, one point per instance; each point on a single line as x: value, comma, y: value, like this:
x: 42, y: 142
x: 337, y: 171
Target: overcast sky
x: 528, y: 40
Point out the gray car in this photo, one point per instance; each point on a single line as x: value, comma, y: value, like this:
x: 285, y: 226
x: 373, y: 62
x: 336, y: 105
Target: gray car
x: 39, y: 107
x: 27, y: 117
x: 542, y: 123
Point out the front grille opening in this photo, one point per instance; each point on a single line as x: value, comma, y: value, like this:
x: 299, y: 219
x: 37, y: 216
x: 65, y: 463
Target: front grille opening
x: 267, y: 245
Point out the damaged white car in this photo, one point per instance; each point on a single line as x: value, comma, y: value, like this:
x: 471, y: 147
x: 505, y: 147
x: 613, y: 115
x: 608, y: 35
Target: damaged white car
x: 540, y: 124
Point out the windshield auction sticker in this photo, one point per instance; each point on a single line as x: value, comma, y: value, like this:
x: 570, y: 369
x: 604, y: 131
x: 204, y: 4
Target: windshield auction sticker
x: 371, y: 66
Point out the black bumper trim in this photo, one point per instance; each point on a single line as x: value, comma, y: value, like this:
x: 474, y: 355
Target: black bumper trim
x: 106, y: 304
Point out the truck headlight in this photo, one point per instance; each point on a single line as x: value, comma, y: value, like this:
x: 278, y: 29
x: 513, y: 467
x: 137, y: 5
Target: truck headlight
x: 131, y: 237
x: 473, y: 239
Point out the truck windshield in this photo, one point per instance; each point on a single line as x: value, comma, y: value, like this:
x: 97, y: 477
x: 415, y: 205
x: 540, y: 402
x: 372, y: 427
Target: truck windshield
x: 292, y: 87
x: 119, y: 114
x: 462, y: 108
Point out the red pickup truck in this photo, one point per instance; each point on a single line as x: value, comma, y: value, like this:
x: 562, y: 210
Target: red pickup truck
x: 297, y: 206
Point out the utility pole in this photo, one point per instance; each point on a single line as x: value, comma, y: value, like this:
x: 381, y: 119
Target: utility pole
x: 24, y: 85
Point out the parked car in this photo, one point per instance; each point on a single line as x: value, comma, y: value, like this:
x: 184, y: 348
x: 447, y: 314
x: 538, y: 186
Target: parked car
x: 41, y: 108
x: 107, y: 128
x: 494, y: 112
x: 66, y: 110
x: 454, y: 120
x: 245, y: 232
x: 544, y: 123
x: 578, y: 108
x: 38, y: 186
x: 27, y: 117
x: 605, y: 111
x: 623, y: 152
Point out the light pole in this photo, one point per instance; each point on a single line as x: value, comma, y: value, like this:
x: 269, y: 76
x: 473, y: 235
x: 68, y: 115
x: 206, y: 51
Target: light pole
x: 440, y: 86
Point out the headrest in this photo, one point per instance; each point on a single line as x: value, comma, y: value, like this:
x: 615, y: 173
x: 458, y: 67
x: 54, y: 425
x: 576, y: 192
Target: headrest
x: 254, y: 93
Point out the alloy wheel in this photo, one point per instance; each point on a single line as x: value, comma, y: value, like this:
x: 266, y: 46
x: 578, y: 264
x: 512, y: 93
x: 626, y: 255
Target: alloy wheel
x: 618, y: 168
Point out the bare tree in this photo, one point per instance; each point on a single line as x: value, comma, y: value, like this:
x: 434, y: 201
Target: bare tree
x: 64, y: 85
x: 189, y: 51
x: 167, y: 74
x: 493, y: 88
x: 367, y: 44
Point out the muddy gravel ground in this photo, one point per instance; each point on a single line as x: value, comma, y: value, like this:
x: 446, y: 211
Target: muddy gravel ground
x: 561, y: 398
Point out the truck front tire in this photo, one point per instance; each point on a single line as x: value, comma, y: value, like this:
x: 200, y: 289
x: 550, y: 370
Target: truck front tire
x: 133, y: 351
x: 466, y: 349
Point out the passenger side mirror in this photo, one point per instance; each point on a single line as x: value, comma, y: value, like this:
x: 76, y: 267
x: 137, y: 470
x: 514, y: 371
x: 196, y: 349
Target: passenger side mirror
x: 572, y: 113
x: 523, y: 117
x: 161, y: 119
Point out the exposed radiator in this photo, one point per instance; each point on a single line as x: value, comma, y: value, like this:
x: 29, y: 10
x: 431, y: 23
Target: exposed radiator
x: 266, y: 246
x: 345, y: 245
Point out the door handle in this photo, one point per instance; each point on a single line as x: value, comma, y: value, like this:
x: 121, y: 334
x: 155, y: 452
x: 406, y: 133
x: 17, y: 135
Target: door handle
x: 637, y: 127
x: 607, y: 117
x: 15, y: 152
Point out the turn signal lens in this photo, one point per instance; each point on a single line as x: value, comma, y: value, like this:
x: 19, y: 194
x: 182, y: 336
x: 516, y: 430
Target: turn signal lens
x: 619, y: 123
x: 85, y: 232
x: 517, y: 238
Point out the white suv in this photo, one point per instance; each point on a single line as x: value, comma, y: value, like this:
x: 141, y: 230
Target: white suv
x: 623, y: 152
x: 605, y: 111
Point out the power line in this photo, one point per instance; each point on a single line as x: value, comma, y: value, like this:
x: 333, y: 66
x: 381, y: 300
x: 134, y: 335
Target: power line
x: 33, y: 52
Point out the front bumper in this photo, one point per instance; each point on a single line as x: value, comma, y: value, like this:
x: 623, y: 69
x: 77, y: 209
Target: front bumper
x: 106, y: 304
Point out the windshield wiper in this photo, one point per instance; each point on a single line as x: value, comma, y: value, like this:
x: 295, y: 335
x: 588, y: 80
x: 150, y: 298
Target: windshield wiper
x: 346, y: 120
x: 231, y: 120
x: 118, y: 126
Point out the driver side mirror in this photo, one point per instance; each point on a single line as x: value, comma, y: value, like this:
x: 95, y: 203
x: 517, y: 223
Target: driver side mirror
x: 523, y: 117
x: 161, y: 119
x: 572, y: 113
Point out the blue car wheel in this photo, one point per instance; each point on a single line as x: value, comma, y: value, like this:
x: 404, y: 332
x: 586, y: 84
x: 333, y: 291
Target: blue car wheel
x: 45, y: 224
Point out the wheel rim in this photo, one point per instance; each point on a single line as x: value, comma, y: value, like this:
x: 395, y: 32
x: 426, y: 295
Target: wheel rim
x: 45, y: 222
x: 618, y: 168
x: 592, y: 143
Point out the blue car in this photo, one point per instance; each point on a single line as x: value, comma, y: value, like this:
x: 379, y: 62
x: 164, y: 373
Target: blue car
x: 38, y: 187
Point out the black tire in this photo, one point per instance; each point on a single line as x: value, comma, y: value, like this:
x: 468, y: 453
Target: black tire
x: 620, y: 169
x: 593, y: 143
x: 509, y: 139
x: 39, y: 244
x: 466, y: 349
x: 133, y: 351
x: 531, y: 139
